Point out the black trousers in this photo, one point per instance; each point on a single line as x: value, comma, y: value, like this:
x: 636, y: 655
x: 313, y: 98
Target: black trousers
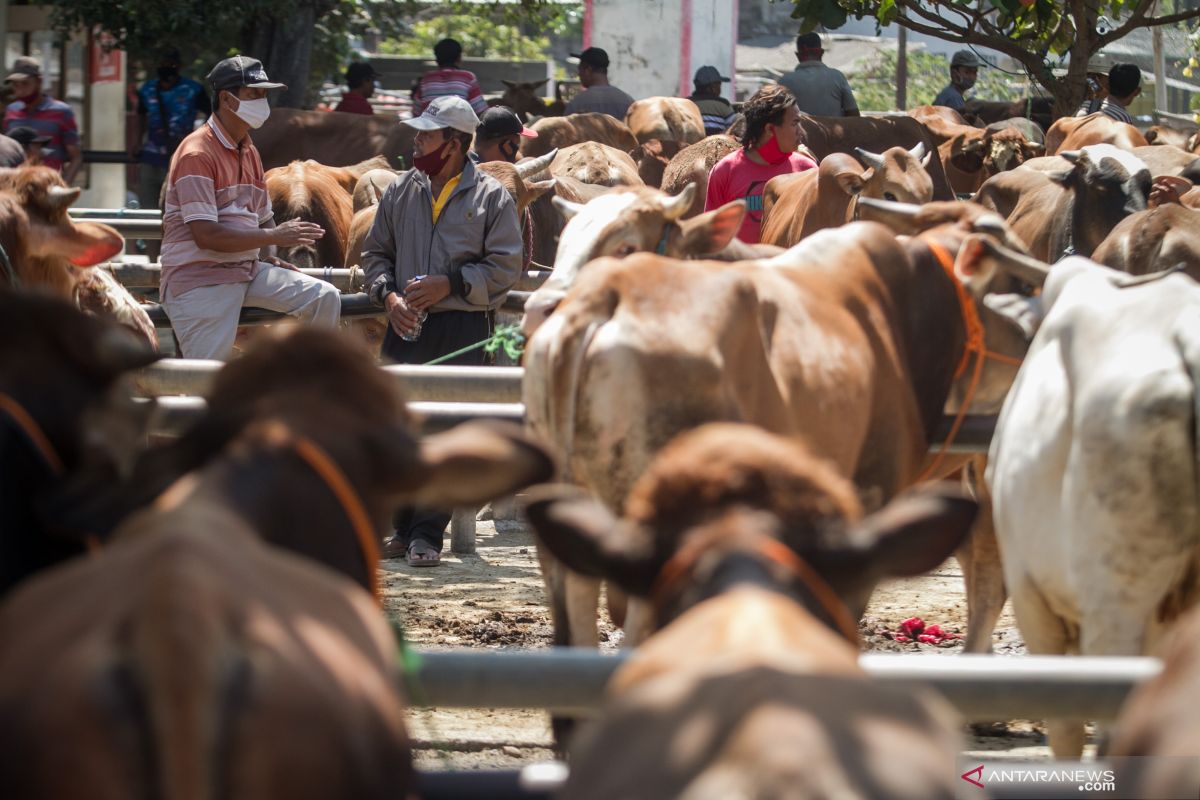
x: 443, y: 332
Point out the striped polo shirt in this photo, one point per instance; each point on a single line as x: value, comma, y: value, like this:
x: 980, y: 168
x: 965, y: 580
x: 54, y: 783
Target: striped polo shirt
x: 211, y: 178
x: 48, y: 117
x: 448, y: 82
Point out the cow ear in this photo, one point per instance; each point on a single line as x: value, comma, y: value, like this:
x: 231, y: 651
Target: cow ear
x: 712, y: 231
x: 582, y: 533
x: 509, y: 84
x: 539, y: 84
x: 566, y: 207
x: 852, y: 182
x: 475, y: 462
x: 538, y: 188
x: 84, y: 244
x: 117, y: 351
x: 914, y: 533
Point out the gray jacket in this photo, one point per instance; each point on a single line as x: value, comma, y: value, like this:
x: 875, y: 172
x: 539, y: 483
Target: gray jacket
x: 476, y: 241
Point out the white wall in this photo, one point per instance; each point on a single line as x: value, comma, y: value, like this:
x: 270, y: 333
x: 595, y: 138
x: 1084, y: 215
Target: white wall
x: 105, y: 130
x: 655, y: 46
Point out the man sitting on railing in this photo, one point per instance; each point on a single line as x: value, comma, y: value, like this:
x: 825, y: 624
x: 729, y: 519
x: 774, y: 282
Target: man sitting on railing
x: 219, y: 234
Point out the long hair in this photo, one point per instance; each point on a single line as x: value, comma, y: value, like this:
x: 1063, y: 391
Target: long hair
x: 767, y: 106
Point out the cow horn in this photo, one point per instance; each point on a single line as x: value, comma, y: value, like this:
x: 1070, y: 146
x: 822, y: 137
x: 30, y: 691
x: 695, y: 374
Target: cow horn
x: 63, y: 196
x: 890, y: 207
x: 918, y: 151
x: 1074, y: 156
x: 566, y: 207
x: 535, y: 166
x: 1023, y: 267
x: 675, y: 207
x: 869, y: 158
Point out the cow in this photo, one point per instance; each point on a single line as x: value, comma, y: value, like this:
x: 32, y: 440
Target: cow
x: 306, y: 190
x: 1167, y: 159
x: 1074, y: 133
x: 852, y: 339
x: 595, y: 163
x: 370, y: 187
x: 1156, y: 239
x: 692, y: 165
x: 562, y: 132
x: 757, y: 561
x: 1093, y: 468
x: 1068, y: 206
x: 825, y: 135
x: 652, y: 158
x: 1156, y: 736
x: 335, y: 138
x: 667, y: 119
x: 1039, y: 110
x: 1166, y: 134
x: 67, y: 425
x: 798, y: 205
x: 970, y: 155
x: 233, y: 609
x: 523, y: 98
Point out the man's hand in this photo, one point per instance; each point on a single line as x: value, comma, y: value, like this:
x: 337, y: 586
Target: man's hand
x: 279, y: 262
x: 1168, y: 189
x: 402, y: 318
x: 294, y: 232
x: 423, y: 294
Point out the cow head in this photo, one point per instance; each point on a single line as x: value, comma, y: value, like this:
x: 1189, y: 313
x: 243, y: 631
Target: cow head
x: 1109, y: 184
x: 994, y: 151
x: 523, y: 98
x: 619, y: 223
x: 517, y: 179
x: 898, y: 175
x: 714, y: 503
x: 653, y: 157
x: 369, y: 188
x: 315, y: 193
x: 41, y: 240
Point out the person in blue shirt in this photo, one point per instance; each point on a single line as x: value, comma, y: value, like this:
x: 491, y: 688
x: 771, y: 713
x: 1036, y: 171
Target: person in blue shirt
x: 964, y: 69
x: 167, y: 109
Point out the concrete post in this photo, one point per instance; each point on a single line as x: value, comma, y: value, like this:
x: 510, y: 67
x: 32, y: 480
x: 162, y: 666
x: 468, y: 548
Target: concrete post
x: 462, y: 531
x: 105, y: 123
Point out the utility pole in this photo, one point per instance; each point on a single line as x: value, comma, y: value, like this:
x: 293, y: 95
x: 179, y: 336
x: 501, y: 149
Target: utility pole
x: 902, y: 68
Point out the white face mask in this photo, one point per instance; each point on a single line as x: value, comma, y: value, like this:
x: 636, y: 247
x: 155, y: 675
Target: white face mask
x: 253, y: 112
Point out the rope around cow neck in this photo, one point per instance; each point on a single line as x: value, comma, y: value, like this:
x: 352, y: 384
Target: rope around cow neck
x: 508, y: 337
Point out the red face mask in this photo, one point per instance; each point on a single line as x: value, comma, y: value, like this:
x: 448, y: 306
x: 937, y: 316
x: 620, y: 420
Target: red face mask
x: 431, y: 163
x: 771, y: 153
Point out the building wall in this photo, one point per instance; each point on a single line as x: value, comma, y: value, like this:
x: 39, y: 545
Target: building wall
x: 655, y: 46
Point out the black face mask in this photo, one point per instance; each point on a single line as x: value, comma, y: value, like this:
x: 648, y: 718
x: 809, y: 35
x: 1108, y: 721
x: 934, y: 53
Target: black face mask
x: 509, y: 150
x: 168, y: 73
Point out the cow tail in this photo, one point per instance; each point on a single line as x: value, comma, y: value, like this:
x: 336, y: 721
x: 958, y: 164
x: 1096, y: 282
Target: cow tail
x: 183, y: 690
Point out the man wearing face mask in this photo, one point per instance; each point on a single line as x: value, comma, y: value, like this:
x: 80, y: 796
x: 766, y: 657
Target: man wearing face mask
x: 498, y: 137
x: 964, y: 69
x: 773, y: 135
x: 219, y: 234
x: 441, y: 256
x: 49, y: 117
x: 167, y: 109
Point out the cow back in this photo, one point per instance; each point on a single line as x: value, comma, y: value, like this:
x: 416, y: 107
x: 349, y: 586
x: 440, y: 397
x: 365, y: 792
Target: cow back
x: 667, y: 119
x: 334, y: 138
x: 825, y: 135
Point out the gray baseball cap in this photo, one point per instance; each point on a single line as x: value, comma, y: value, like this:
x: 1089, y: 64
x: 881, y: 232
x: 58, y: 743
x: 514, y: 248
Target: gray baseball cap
x: 965, y: 58
x: 448, y: 111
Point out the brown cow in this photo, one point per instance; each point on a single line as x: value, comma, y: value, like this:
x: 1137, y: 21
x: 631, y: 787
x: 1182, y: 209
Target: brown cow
x: 1167, y: 159
x: 561, y: 132
x: 370, y: 187
x: 1039, y: 110
x: 523, y: 98
x: 306, y: 190
x: 753, y: 341
x: 652, y: 158
x: 667, y: 119
x: 64, y: 414
x: 595, y: 163
x: 798, y: 205
x: 334, y: 138
x: 693, y: 165
x: 1156, y: 239
x: 971, y: 155
x: 197, y: 636
x: 757, y: 562
x: 1166, y: 134
x: 1074, y: 133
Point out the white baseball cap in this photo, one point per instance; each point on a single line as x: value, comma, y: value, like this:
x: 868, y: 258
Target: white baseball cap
x: 446, y: 112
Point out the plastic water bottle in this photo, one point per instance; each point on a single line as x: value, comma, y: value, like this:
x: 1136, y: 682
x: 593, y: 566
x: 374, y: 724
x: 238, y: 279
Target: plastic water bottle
x: 415, y: 333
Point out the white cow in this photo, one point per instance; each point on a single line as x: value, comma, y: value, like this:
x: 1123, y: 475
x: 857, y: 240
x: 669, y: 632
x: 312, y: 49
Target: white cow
x: 1093, y: 468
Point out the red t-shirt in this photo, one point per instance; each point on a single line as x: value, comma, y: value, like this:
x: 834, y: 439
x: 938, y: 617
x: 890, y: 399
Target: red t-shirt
x: 355, y: 104
x: 737, y: 177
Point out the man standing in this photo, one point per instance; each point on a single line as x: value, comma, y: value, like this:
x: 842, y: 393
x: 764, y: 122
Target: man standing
x: 360, y: 80
x: 598, y: 95
x: 52, y: 118
x: 448, y: 80
x: 441, y: 256
x: 1124, y: 85
x: 773, y: 134
x: 167, y: 109
x: 717, y: 112
x: 964, y: 69
x: 820, y: 91
x: 219, y: 235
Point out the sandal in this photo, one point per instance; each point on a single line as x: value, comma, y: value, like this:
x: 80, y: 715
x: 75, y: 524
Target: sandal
x: 422, y: 554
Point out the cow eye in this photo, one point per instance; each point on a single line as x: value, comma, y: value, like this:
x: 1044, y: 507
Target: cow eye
x: 624, y: 250
x: 889, y: 196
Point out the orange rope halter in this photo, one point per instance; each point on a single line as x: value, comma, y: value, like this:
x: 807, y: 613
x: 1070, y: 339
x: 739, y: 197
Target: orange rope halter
x: 351, y: 503
x: 975, y: 345
x: 680, y: 566
x: 37, y: 437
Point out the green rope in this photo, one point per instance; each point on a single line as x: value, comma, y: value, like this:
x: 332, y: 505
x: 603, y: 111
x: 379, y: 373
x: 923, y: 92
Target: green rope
x: 507, y: 337
x: 408, y: 661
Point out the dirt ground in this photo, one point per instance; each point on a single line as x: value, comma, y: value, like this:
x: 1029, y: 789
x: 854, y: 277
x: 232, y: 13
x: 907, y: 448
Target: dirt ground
x: 494, y: 599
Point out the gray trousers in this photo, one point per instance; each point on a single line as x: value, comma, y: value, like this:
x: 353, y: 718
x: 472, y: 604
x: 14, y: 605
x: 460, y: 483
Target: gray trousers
x: 205, y: 318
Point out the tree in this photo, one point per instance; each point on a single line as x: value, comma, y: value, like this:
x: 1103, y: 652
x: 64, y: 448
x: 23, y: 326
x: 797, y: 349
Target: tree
x: 875, y: 83
x: 1029, y: 31
x: 480, y: 37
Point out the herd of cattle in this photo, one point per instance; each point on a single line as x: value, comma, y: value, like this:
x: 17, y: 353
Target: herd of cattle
x: 735, y: 429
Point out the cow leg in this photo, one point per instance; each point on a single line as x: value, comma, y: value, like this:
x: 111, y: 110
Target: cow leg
x: 574, y: 602
x: 639, y: 623
x: 1046, y: 634
x: 983, y: 573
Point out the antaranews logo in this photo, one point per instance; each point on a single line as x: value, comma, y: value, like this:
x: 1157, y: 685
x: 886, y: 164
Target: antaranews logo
x: 1089, y: 779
